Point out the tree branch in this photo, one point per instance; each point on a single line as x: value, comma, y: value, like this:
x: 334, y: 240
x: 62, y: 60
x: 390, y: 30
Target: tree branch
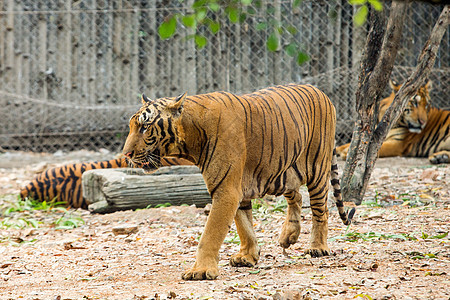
x: 376, y: 66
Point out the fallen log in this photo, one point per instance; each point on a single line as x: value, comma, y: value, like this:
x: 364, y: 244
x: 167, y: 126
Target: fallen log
x: 109, y: 190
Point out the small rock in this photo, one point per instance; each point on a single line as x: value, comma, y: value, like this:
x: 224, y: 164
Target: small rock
x: 58, y: 153
x: 125, y: 229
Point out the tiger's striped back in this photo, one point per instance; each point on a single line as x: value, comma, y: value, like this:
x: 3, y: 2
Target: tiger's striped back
x: 64, y: 183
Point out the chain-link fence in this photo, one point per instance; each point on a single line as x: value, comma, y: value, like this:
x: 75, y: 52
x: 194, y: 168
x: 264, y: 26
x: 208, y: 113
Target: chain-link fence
x: 71, y: 71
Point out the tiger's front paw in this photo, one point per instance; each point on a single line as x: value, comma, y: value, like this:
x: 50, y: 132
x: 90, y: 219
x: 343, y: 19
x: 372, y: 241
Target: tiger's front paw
x: 316, y: 252
x: 201, y: 273
x: 244, y: 260
x: 442, y: 157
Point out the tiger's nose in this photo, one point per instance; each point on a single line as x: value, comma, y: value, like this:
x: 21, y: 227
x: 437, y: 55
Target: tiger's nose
x: 129, y: 154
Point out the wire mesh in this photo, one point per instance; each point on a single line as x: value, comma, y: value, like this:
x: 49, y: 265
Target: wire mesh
x: 71, y: 72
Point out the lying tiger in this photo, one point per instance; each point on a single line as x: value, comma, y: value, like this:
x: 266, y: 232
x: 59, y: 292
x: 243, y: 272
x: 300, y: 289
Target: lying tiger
x: 269, y: 142
x: 63, y: 184
x: 421, y: 131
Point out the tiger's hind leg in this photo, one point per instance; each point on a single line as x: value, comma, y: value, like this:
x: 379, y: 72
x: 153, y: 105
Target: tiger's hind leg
x: 318, y: 194
x: 291, y: 227
x: 248, y: 254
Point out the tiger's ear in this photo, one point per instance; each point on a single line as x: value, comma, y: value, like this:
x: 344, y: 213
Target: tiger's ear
x: 394, y: 85
x: 145, y: 99
x: 429, y: 85
x: 176, y: 107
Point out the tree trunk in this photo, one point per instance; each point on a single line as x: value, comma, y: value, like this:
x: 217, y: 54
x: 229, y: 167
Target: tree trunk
x: 376, y: 66
x: 109, y: 190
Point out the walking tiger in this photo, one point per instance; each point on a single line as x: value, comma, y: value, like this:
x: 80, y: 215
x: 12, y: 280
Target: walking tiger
x: 268, y: 142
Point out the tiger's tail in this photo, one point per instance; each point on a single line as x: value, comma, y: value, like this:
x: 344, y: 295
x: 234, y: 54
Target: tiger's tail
x: 346, y: 218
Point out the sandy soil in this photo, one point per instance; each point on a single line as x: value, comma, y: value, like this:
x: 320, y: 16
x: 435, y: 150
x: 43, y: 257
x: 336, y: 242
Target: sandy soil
x: 397, y: 247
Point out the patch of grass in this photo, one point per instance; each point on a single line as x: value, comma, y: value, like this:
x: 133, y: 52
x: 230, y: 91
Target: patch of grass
x: 18, y: 223
x: 23, y: 213
x: 259, y: 204
x: 232, y: 238
x: 280, y: 205
x: 167, y: 204
x: 410, y: 199
x: 260, y: 208
x: 419, y: 255
x: 354, y: 236
x: 29, y: 204
x: 375, y: 202
x: 68, y: 222
x: 438, y: 236
x: 370, y: 236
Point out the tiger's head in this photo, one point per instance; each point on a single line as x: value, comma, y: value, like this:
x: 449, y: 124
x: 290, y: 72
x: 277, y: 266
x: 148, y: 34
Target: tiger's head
x: 154, y: 131
x: 415, y: 115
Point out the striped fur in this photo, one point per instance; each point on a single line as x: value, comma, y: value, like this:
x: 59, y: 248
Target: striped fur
x: 268, y: 142
x: 421, y: 131
x: 63, y: 184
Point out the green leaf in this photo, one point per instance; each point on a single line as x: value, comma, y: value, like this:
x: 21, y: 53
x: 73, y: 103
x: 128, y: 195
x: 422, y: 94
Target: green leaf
x: 214, y: 26
x: 296, y: 3
x: 233, y: 14
x: 246, y: 2
x: 167, y: 204
x: 167, y: 28
x: 397, y: 236
x: 302, y: 57
x: 213, y: 6
x: 200, y: 41
x: 242, y: 17
x: 199, y: 3
x: 292, y: 30
x: 200, y: 15
x: 439, y: 236
x: 34, y: 223
x: 357, y: 2
x: 261, y: 26
x: 273, y: 42
x: 189, y: 21
x: 376, y: 4
x: 291, y: 49
x: 361, y: 15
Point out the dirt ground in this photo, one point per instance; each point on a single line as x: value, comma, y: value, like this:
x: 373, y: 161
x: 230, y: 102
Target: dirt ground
x: 397, y: 248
